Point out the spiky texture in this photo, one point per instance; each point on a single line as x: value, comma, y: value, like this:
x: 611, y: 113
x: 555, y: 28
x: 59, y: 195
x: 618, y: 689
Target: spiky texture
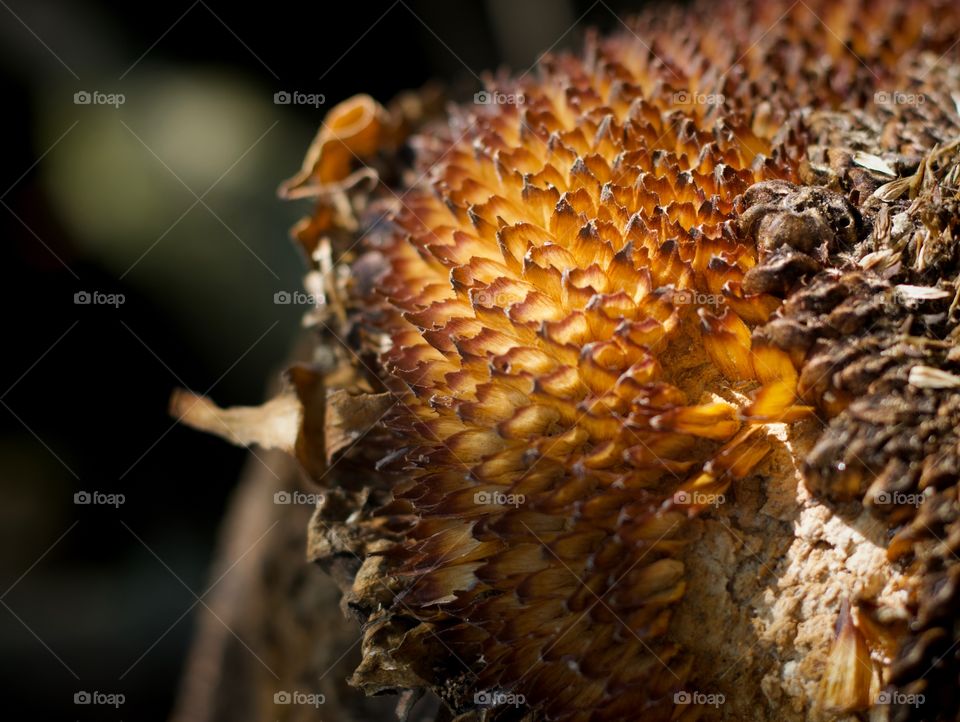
x: 571, y: 309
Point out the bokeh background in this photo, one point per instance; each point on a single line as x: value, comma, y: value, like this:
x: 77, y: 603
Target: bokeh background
x: 170, y: 200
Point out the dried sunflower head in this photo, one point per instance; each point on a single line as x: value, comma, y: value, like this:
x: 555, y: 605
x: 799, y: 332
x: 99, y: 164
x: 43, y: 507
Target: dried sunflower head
x: 568, y: 328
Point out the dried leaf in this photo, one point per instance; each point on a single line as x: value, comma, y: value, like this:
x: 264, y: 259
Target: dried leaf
x: 906, y: 292
x: 849, y: 671
x: 350, y: 416
x: 351, y: 131
x: 874, y: 163
x: 927, y: 377
x: 893, y: 190
x: 301, y: 423
x: 274, y: 425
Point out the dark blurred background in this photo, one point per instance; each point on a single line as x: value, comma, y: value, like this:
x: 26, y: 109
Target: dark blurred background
x: 168, y: 198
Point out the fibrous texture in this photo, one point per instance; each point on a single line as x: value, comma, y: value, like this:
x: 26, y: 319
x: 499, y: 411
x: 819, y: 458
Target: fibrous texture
x: 588, y: 304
